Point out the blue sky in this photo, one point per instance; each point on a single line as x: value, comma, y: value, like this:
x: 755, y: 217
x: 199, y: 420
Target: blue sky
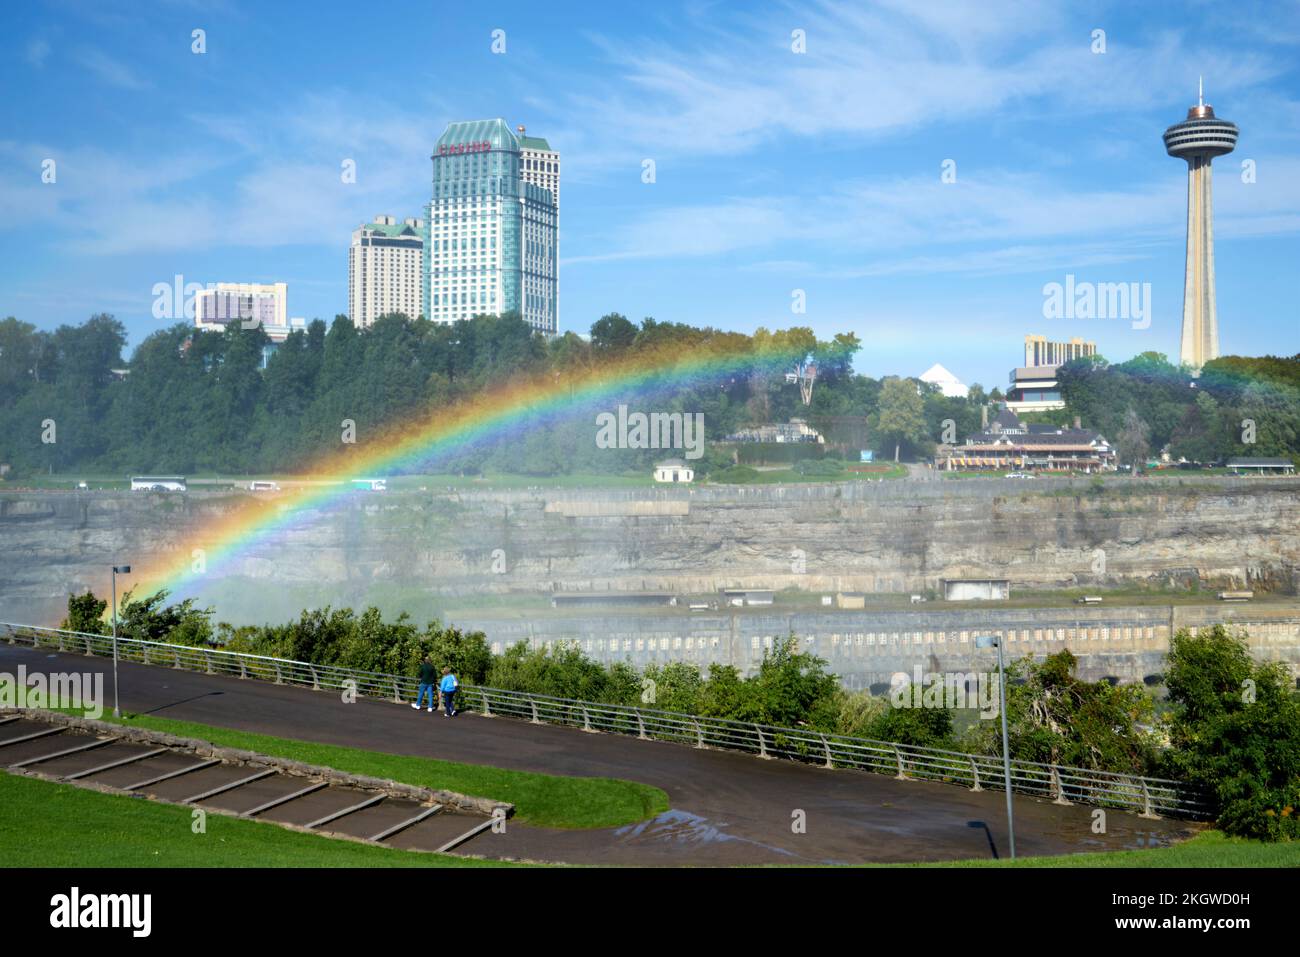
x: 775, y: 171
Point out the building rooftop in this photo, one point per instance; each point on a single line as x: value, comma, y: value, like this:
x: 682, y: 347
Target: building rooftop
x: 496, y: 132
x: 534, y: 143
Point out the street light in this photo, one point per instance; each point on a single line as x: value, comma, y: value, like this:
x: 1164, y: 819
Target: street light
x: 125, y: 570
x: 993, y: 641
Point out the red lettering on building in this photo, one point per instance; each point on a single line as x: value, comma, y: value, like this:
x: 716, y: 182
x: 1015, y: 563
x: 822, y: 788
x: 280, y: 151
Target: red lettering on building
x: 480, y: 146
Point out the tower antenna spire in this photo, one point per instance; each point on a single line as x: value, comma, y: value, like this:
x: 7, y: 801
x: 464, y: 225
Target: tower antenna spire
x: 1200, y: 91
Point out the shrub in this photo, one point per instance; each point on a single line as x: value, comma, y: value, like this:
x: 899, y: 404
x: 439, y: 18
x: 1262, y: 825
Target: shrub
x: 1234, y: 727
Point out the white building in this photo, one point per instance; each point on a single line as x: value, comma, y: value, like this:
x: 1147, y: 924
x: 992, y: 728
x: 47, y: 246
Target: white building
x: 385, y: 266
x: 674, y: 470
x: 491, y: 245
x: 948, y: 383
x: 251, y: 304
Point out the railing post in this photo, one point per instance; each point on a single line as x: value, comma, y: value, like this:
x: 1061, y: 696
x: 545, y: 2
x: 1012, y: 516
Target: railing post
x: 278, y: 680
x: 699, y: 734
x: 533, y: 701
x: 826, y: 746
x: 397, y: 696
x: 243, y: 669
x: 586, y: 722
x: 640, y: 725
x: 207, y: 658
x: 315, y: 679
x: 487, y: 704
x: 762, y: 745
x: 1060, y: 789
x: 88, y: 651
x: 975, y: 770
x: 60, y: 641
x: 898, y: 756
x: 1147, y: 812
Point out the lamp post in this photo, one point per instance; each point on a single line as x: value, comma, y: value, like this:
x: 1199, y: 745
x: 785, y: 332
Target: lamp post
x: 125, y: 570
x: 995, y: 641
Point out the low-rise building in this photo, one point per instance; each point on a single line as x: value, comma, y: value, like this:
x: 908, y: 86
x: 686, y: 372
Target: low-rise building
x: 976, y: 589
x: 1009, y: 444
x: 248, y: 303
x: 794, y: 431
x: 748, y: 596
x: 1034, y: 389
x: 1261, y: 466
x: 674, y: 470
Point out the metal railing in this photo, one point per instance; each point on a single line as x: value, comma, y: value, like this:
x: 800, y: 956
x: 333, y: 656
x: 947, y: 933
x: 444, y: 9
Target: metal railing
x: 1148, y: 796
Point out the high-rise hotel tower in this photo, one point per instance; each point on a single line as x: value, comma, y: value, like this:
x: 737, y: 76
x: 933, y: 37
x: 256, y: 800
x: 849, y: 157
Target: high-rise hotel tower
x: 1198, y: 139
x: 492, y: 226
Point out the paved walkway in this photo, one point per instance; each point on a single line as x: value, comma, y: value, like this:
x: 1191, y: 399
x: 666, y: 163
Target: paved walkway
x: 727, y: 808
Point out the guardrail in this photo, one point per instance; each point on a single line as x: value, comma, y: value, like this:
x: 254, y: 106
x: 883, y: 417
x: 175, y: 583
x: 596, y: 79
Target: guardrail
x: 1150, y: 797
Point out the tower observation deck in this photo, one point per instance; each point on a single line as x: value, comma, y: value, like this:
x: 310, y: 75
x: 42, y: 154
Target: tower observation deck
x: 1198, y: 139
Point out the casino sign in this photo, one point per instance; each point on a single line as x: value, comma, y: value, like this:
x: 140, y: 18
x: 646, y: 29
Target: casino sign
x: 481, y: 146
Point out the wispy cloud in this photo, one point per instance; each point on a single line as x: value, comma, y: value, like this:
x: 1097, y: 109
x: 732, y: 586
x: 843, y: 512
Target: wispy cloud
x: 111, y: 71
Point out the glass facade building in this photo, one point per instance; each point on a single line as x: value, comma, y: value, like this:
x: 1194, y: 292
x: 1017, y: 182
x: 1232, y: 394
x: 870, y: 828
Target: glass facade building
x: 490, y: 236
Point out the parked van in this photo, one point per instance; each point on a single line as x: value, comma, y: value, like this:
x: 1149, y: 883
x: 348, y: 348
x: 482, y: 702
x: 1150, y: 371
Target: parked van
x: 263, y: 487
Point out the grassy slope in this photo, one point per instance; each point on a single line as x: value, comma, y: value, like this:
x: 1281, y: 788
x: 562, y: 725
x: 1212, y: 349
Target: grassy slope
x: 542, y: 800
x: 43, y: 824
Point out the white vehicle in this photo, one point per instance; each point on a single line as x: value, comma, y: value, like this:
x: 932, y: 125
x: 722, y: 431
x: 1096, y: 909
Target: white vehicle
x: 82, y: 486
x: 370, y: 485
x: 158, y: 483
x: 263, y: 487
x: 1020, y: 475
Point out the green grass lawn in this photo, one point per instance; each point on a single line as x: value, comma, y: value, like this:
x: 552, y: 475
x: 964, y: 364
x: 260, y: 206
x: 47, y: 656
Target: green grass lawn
x: 1208, y: 849
x: 543, y: 800
x: 44, y: 824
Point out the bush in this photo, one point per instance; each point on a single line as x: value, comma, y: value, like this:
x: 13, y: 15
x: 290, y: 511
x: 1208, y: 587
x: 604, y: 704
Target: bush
x: 736, y: 475
x: 1234, y: 727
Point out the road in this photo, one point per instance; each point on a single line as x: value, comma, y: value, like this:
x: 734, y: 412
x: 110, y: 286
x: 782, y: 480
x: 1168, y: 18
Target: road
x: 726, y: 808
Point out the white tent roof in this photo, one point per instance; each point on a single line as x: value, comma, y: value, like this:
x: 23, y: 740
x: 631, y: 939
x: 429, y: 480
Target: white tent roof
x: 948, y: 383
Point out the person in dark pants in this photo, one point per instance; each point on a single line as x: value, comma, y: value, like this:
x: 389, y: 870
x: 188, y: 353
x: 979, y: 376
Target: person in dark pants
x: 428, y: 683
x: 449, y: 687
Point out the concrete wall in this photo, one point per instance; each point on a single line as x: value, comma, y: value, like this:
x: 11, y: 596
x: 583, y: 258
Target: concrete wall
x: 866, y: 647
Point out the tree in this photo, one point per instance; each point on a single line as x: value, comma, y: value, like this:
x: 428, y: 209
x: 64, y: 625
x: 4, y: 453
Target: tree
x: 1234, y: 730
x: 612, y: 334
x: 902, y: 413
x: 1053, y: 717
x: 1133, y: 440
x: 85, y: 614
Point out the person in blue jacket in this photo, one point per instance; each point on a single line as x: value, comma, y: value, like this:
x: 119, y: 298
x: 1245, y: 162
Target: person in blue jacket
x: 449, y: 686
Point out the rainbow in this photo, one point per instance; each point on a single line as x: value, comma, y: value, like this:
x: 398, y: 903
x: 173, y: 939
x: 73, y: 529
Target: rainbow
x: 436, y: 435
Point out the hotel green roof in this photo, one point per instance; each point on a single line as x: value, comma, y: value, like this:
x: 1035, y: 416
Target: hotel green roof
x: 496, y: 132
x: 397, y: 229
x: 534, y: 143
